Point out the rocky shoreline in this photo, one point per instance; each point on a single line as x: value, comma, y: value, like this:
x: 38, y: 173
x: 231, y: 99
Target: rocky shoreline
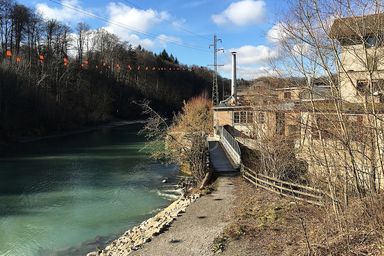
x: 134, y: 238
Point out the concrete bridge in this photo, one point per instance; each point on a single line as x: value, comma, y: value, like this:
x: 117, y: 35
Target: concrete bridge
x: 224, y: 153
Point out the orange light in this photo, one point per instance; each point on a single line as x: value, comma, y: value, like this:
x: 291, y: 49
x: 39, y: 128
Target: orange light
x: 86, y: 62
x: 18, y: 59
x: 41, y: 57
x: 8, y: 53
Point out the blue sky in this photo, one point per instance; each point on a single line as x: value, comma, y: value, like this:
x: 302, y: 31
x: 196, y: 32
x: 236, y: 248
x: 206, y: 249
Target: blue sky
x: 183, y: 27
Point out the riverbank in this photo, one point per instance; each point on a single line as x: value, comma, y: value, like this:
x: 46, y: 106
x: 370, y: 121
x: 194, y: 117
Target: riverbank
x: 191, y: 230
x: 27, y: 139
x: 134, y: 238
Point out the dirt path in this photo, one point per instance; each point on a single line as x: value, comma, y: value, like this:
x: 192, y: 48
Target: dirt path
x: 193, y: 233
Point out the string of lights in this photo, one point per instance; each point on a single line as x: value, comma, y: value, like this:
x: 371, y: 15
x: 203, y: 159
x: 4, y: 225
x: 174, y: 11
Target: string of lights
x: 103, y: 65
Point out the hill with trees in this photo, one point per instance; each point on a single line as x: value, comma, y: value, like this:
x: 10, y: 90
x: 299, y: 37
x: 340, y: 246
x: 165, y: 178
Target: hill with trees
x: 53, y: 77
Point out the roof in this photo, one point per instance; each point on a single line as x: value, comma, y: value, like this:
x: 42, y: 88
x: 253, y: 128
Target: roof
x: 357, y: 26
x: 348, y: 108
x: 289, y: 88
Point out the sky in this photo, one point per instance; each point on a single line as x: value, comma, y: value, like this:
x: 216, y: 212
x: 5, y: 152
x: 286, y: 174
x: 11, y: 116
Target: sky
x: 184, y: 28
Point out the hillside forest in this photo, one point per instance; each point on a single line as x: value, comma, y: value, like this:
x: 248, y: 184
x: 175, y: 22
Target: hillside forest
x: 54, y: 77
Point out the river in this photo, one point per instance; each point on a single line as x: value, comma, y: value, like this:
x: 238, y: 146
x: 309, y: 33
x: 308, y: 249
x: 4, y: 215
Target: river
x: 68, y: 195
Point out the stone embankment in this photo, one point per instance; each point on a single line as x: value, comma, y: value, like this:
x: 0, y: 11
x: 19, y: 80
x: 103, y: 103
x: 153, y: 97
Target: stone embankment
x: 133, y: 239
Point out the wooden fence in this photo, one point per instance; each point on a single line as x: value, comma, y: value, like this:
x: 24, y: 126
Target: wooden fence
x: 284, y: 188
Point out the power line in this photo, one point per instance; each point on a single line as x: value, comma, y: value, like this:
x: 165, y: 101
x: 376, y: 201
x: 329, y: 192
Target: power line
x: 129, y: 28
x: 180, y: 27
x: 215, y: 86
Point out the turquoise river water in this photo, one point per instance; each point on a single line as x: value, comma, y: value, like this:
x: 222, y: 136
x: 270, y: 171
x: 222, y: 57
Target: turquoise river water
x: 68, y: 195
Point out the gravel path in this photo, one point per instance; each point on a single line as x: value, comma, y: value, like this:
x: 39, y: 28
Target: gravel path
x: 193, y: 233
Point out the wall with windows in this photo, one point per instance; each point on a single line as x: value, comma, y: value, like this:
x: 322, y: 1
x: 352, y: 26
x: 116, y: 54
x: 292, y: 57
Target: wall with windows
x: 288, y: 94
x: 322, y: 145
x: 355, y: 86
x: 360, y: 64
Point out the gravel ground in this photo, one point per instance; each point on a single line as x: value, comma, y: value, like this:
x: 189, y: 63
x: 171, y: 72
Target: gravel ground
x: 193, y: 233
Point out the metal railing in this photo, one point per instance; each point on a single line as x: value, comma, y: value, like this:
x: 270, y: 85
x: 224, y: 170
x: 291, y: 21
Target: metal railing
x: 231, y: 146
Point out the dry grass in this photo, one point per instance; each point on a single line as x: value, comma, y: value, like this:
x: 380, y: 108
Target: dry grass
x: 267, y: 224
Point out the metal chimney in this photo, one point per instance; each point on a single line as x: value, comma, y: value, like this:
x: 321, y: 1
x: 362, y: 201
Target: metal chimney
x: 233, y: 83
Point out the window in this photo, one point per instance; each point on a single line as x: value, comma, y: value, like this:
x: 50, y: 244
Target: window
x: 293, y: 130
x: 378, y: 86
x: 236, y: 117
x: 287, y: 95
x: 371, y: 41
x: 328, y: 127
x: 280, y: 123
x: 243, y: 117
x: 261, y: 118
x: 249, y: 117
x: 362, y: 86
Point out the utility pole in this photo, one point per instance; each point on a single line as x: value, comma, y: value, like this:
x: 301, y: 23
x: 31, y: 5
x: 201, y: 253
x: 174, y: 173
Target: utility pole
x: 215, y: 87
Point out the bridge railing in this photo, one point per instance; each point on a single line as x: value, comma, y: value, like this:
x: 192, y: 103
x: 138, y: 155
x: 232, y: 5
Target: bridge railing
x: 231, y: 146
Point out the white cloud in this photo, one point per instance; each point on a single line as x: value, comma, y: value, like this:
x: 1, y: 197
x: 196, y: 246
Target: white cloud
x: 256, y: 72
x: 242, y: 13
x: 164, y: 39
x: 141, y: 20
x: 250, y: 55
x: 63, y: 13
x: 277, y: 33
x: 252, y: 61
x: 248, y: 72
x: 178, y: 24
x: 122, y: 18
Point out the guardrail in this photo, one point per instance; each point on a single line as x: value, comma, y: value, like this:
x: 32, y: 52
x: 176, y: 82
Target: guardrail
x: 231, y: 146
x: 284, y: 188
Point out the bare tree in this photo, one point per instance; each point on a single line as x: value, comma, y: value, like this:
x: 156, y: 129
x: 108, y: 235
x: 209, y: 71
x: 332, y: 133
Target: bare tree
x: 341, y: 43
x: 184, y: 142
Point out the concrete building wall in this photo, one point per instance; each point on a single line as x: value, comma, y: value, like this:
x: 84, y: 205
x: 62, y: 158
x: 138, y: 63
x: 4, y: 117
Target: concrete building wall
x: 222, y: 118
x: 331, y: 156
x: 355, y: 61
x: 289, y: 94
